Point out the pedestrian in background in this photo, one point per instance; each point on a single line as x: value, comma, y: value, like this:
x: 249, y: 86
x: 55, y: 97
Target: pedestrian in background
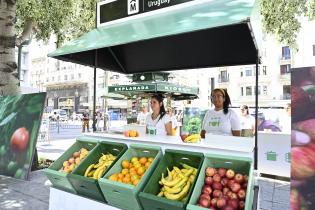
x: 173, y: 119
x: 86, y: 121
x: 247, y: 122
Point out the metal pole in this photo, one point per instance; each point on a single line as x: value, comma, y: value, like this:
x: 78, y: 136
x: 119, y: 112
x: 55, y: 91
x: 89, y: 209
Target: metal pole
x: 19, y: 63
x: 94, y: 92
x: 256, y: 113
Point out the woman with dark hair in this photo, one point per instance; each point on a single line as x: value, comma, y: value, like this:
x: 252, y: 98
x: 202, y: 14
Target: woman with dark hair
x: 247, y: 122
x: 221, y: 120
x: 159, y: 121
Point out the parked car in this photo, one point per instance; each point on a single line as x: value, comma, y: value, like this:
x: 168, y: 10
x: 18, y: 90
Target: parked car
x: 58, y: 113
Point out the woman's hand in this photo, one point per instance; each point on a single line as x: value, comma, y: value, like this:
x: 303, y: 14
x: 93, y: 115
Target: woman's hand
x: 203, y: 134
x: 236, y: 133
x: 168, y: 128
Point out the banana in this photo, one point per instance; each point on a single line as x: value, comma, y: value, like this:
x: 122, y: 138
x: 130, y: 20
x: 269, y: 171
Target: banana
x: 160, y: 194
x: 91, y: 173
x: 169, y: 177
x: 100, y: 173
x: 88, y: 170
x: 187, y: 166
x: 180, y: 195
x: 189, y: 172
x: 96, y: 173
x: 170, y: 183
x: 182, y: 182
x: 192, y: 178
x: 191, y: 137
x: 172, y: 190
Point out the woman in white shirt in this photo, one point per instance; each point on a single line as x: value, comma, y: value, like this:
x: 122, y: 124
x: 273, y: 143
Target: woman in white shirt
x: 173, y: 119
x: 221, y: 120
x: 247, y: 122
x: 159, y: 120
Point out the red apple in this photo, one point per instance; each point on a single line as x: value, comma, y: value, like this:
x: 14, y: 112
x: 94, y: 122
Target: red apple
x: 234, y: 203
x: 204, y: 202
x: 210, y: 171
x: 244, y: 185
x: 222, y: 172
x: 206, y: 196
x: 231, y: 183
x: 239, y: 178
x: 245, y: 178
x: 209, y: 180
x: 303, y: 162
x: 217, y: 193
x: 235, y: 187
x: 214, y: 202
x: 233, y: 196
x: 216, y: 178
x: 230, y: 174
x: 221, y: 203
x: 217, y: 186
x: 229, y: 194
x: 224, y: 181
x: 241, y: 204
x: 241, y: 194
x: 225, y: 190
x: 228, y: 208
x: 206, y: 189
x: 183, y: 136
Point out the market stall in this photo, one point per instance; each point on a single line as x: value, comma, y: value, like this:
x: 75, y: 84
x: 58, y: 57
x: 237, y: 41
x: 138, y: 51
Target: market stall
x: 192, y: 34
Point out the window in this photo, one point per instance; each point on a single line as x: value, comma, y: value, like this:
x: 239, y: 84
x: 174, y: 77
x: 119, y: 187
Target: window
x: 249, y: 91
x: 47, y: 79
x: 286, y: 92
x: 248, y: 72
x: 242, y: 91
x: 314, y: 50
x: 286, y: 53
x: 259, y: 90
x: 223, y: 76
x: 66, y: 77
x: 264, y: 70
x: 53, y: 79
x: 72, y: 76
x: 285, y: 69
x: 241, y: 73
x: 23, y: 58
x: 101, y: 85
x: 265, y: 90
x: 22, y: 75
x: 79, y: 75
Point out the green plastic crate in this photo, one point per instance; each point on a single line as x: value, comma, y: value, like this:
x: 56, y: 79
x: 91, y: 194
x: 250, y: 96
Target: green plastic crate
x: 89, y: 187
x: 125, y: 196
x: 171, y: 158
x: 241, y: 165
x: 59, y: 179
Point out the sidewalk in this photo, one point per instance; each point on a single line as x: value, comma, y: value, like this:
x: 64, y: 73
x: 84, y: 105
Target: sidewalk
x: 53, y: 150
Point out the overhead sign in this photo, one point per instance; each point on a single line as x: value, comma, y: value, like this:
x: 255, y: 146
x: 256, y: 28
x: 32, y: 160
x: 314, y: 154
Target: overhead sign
x: 110, y: 10
x: 178, y: 89
x: 135, y: 88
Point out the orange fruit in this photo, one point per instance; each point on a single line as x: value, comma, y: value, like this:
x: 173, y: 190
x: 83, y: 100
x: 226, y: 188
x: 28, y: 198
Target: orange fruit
x: 126, y: 180
x: 132, y: 170
x: 134, y: 177
x: 150, y: 159
x: 143, y: 160
x: 135, y: 182
x: 125, y: 171
x: 147, y: 164
x: 140, y: 171
x: 137, y: 165
x: 113, y: 177
x: 128, y: 175
x: 119, y: 180
x: 125, y: 164
x: 120, y: 176
x: 134, y: 159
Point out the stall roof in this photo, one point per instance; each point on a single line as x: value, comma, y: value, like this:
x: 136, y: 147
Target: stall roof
x: 176, y: 92
x: 205, y: 34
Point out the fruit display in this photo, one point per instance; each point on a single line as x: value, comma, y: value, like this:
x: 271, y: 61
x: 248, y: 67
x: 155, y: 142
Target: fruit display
x: 96, y: 170
x: 69, y: 165
x: 223, y: 189
x: 131, y: 133
x: 177, y: 183
x: 193, y: 138
x: 132, y: 170
x: 20, y: 119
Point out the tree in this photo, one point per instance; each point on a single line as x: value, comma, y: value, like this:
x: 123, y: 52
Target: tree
x: 23, y: 19
x: 282, y: 18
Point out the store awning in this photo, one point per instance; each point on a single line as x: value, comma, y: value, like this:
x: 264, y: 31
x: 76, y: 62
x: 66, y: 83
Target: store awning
x: 176, y: 92
x: 206, y: 34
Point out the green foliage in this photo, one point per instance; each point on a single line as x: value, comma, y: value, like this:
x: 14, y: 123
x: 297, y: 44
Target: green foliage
x: 281, y: 18
x: 64, y: 18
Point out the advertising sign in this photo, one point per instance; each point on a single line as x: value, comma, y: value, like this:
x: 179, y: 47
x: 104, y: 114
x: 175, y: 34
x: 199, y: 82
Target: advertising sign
x: 20, y: 119
x: 192, y: 120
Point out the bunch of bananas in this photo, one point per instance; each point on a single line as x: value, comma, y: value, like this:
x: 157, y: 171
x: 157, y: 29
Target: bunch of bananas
x: 96, y: 171
x: 178, y: 182
x: 192, y: 138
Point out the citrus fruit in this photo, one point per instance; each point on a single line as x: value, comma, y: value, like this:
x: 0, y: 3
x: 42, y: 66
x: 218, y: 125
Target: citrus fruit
x: 125, y: 164
x: 143, y: 160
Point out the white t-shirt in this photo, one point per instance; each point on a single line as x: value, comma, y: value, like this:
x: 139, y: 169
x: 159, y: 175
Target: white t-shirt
x: 247, y: 122
x: 158, y: 124
x: 142, y: 117
x: 174, y: 121
x: 216, y: 122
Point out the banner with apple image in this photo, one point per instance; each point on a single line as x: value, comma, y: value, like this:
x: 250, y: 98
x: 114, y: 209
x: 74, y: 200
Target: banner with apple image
x: 20, y: 118
x: 303, y: 138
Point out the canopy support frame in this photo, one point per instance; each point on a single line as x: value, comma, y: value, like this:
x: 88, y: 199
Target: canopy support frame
x: 256, y: 111
x: 117, y: 60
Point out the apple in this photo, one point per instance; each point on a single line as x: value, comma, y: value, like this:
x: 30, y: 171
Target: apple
x: 245, y: 178
x: 65, y: 163
x: 225, y: 190
x: 241, y: 194
x: 77, y: 161
x: 217, y: 193
x: 210, y: 171
x: 233, y: 196
x: 76, y: 154
x: 230, y: 174
x: 206, y: 189
x: 235, y: 187
x: 183, y: 136
x: 230, y: 183
x: 217, y: 186
x: 206, y: 196
x: 204, y: 202
x: 221, y: 203
x: 244, y: 185
x: 241, y: 204
x: 209, y: 180
x: 213, y: 202
x: 216, y: 178
x: 239, y: 178
x: 224, y: 181
x: 229, y: 194
x: 233, y: 203
x: 228, y: 208
x: 222, y: 172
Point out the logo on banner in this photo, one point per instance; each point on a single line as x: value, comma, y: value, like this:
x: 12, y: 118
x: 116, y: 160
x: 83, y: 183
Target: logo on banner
x: 133, y: 6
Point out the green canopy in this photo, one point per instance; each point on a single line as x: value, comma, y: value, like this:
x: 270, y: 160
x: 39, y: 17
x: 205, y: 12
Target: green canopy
x: 176, y: 92
x: 206, y: 34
